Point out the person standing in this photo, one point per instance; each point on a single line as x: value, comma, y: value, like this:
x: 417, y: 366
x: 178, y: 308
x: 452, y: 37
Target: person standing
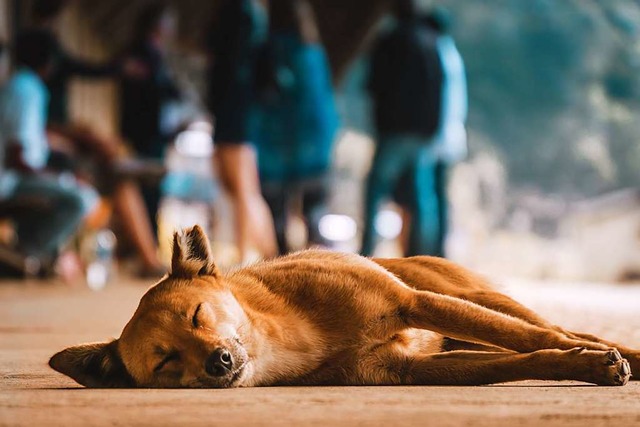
x: 297, y: 120
x: 235, y: 42
x: 451, y: 138
x: 406, y: 81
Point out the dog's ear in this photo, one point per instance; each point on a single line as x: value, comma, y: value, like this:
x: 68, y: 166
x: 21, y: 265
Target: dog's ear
x: 192, y: 254
x: 93, y: 365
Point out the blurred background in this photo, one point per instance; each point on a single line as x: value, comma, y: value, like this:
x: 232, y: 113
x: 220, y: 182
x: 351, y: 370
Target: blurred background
x: 547, y: 190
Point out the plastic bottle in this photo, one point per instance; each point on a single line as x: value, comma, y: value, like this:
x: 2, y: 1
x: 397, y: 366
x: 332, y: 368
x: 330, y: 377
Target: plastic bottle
x: 101, y: 266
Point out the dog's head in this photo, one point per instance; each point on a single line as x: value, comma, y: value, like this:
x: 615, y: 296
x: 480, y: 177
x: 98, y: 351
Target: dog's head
x: 186, y: 332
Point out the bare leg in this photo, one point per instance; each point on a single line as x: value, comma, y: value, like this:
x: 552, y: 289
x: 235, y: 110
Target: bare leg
x: 129, y: 206
x: 476, y: 368
x: 239, y: 174
x: 466, y: 321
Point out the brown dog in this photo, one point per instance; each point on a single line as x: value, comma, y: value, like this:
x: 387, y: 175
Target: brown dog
x: 317, y: 317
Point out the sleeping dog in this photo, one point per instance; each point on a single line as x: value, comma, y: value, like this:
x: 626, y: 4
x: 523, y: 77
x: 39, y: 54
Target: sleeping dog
x: 325, y: 318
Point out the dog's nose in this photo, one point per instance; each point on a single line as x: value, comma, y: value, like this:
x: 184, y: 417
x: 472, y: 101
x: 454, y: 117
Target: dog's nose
x: 219, y: 363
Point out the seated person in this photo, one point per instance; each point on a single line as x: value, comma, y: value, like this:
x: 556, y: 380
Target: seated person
x: 69, y: 144
x: 24, y: 153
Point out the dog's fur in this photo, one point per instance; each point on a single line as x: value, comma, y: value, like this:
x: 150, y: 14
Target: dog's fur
x: 318, y: 317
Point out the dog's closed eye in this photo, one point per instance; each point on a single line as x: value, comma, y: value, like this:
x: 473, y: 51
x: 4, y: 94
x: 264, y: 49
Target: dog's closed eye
x: 194, y: 319
x: 203, y: 316
x: 171, y: 357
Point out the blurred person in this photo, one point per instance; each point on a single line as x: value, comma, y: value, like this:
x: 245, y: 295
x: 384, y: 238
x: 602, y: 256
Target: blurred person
x: 297, y: 120
x: 45, y: 15
x: 24, y: 151
x: 5, y: 64
x: 406, y: 81
x: 144, y: 98
x: 450, y: 141
x: 236, y: 40
x: 68, y: 140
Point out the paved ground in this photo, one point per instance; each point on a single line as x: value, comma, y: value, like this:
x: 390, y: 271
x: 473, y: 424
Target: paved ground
x: 38, y: 319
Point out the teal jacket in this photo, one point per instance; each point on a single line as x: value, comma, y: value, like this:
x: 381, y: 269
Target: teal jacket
x: 295, y: 127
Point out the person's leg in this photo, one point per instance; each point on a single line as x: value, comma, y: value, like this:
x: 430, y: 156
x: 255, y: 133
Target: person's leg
x: 150, y: 149
x: 275, y: 194
x: 424, y: 238
x: 42, y: 233
x: 403, y: 196
x: 129, y: 205
x: 389, y: 163
x: 442, y: 181
x: 151, y: 196
x: 315, y: 196
x: 238, y: 169
x: 405, y: 231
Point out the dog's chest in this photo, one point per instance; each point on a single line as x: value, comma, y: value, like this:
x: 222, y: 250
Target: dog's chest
x: 287, y: 348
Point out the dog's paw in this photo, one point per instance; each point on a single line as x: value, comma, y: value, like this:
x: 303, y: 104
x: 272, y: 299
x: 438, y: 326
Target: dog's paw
x: 610, y: 367
x: 633, y: 357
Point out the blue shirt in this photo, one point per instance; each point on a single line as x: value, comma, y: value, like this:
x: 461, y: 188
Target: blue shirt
x: 451, y: 138
x: 23, y: 119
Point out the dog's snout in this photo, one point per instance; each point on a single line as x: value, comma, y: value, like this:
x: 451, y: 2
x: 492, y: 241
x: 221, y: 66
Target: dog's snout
x: 219, y: 363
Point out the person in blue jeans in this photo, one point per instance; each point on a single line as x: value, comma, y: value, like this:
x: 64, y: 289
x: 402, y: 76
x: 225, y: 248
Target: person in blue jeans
x: 296, y: 120
x: 450, y: 140
x: 405, y: 84
x: 24, y: 153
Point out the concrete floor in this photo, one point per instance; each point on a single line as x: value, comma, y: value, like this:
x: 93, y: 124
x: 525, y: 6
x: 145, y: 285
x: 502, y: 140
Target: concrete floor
x: 38, y: 319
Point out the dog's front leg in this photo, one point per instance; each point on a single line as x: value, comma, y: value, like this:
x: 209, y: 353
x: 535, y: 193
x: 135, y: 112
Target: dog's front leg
x: 477, y: 368
x: 457, y: 318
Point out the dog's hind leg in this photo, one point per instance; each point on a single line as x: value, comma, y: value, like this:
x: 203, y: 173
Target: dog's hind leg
x: 502, y: 303
x: 476, y: 368
x: 443, y: 277
x: 467, y: 321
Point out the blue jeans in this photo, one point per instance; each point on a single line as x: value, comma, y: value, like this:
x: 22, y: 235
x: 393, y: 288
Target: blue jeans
x: 398, y: 157
x: 43, y: 230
